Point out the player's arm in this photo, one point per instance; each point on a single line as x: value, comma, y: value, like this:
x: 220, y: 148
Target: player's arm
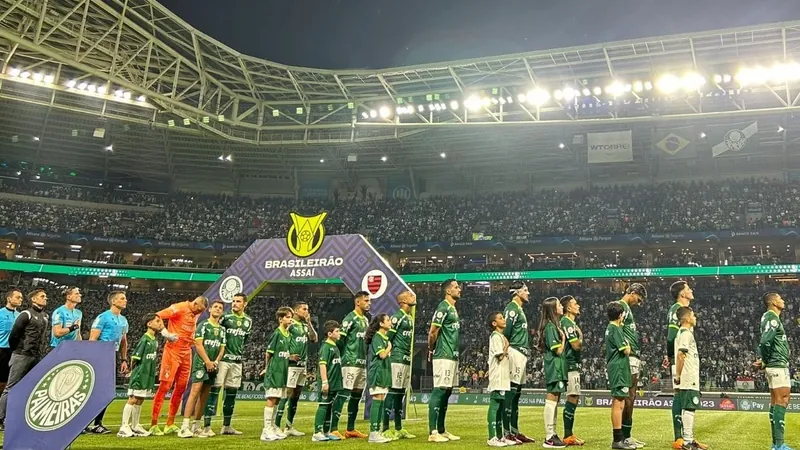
x: 123, y: 347
x: 554, y: 341
x: 683, y: 349
x: 138, y: 352
x: 619, y: 342
x: 380, y: 348
x: 312, y: 333
x: 574, y: 340
x: 433, y: 332
x: 343, y: 331
x: 18, y: 330
x: 59, y: 330
x: 768, y: 334
x: 496, y: 347
x: 323, y: 368
x: 97, y: 328
x: 222, y: 347
x: 510, y: 321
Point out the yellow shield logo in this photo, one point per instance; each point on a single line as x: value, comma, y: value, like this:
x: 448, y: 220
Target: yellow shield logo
x: 306, y: 234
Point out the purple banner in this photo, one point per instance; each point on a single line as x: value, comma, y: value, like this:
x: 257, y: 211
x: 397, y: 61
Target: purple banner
x: 55, y: 401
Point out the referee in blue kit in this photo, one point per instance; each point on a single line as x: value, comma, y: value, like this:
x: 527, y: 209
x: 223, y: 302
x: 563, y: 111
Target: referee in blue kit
x: 7, y: 317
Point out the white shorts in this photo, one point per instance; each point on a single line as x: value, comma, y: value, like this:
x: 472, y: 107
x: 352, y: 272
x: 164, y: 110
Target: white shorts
x: 401, y: 376
x: 574, y: 383
x: 378, y: 391
x: 517, y: 362
x: 141, y: 393
x: 636, y: 365
x: 675, y: 386
x: 229, y: 374
x: 445, y: 373
x: 778, y: 378
x: 354, y: 378
x: 297, y: 377
x: 275, y: 393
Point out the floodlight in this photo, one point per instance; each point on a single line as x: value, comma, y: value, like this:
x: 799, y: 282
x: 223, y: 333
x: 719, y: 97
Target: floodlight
x: 538, y: 96
x: 668, y: 84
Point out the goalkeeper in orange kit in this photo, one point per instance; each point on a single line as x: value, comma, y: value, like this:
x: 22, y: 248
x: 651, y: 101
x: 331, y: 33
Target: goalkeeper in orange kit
x: 176, y: 362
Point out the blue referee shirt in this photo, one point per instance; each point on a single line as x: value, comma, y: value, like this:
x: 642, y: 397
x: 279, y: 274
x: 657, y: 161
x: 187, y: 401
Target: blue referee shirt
x: 65, y: 317
x: 112, y: 327
x: 7, y: 318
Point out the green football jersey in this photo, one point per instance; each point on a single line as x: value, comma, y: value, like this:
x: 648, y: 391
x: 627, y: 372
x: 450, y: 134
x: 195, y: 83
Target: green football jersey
x: 400, y: 335
x: 329, y: 357
x: 213, y: 337
x: 277, y: 373
x: 351, y: 344
x: 555, y: 368
x: 143, y: 375
x: 672, y: 330
x: 573, y: 332
x: 516, y: 330
x: 299, y: 332
x: 629, y: 329
x: 380, y: 370
x: 618, y: 364
x: 774, y: 346
x: 446, y: 319
x: 237, y: 331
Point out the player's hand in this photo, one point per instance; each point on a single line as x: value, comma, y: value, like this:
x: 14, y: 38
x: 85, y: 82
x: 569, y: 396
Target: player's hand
x: 325, y: 388
x: 677, y: 380
x: 294, y: 358
x: 123, y: 367
x: 262, y: 373
x: 758, y: 364
x: 210, y: 366
x: 430, y: 356
x: 389, y: 346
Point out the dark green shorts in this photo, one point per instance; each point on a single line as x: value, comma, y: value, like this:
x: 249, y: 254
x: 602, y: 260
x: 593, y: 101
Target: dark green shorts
x: 200, y: 374
x: 557, y: 387
x: 689, y: 400
x: 620, y: 391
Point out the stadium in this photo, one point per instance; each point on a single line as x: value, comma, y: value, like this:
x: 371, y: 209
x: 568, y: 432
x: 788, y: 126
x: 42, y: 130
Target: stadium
x: 141, y: 156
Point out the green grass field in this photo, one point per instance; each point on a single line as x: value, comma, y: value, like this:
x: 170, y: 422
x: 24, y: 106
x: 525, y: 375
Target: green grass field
x: 721, y: 430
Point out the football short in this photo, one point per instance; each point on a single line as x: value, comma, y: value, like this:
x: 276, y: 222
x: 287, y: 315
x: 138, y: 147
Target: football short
x: 620, y: 391
x: 557, y: 387
x: 401, y: 376
x: 297, y: 377
x: 5, y: 358
x: 445, y: 373
x: 574, y: 383
x: 140, y: 393
x: 354, y: 378
x: 636, y: 365
x: 689, y: 400
x: 275, y: 392
x: 175, y: 366
x: 778, y: 377
x: 201, y: 375
x: 229, y: 375
x: 518, y: 362
x: 378, y: 390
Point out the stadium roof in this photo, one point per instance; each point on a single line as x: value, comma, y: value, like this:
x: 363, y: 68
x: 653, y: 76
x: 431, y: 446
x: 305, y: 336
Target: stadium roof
x: 78, y: 78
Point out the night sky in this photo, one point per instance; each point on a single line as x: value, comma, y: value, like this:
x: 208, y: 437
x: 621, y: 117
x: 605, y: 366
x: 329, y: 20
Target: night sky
x: 363, y: 34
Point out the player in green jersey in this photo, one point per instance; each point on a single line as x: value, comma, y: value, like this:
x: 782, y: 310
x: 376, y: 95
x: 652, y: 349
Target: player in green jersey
x: 634, y: 295
x: 238, y: 327
x: 143, y: 377
x: 499, y: 382
x: 354, y: 359
x: 329, y: 382
x: 516, y: 332
x: 687, y: 375
x: 400, y: 335
x: 209, y: 345
x: 379, y: 375
x: 552, y: 342
x: 683, y: 295
x: 302, y: 331
x: 443, y: 342
x: 774, y: 351
x: 572, y: 356
x: 276, y: 372
x: 618, y: 368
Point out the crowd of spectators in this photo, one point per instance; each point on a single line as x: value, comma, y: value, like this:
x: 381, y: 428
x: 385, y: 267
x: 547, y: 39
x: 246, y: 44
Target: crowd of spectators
x: 664, y: 207
x: 727, y: 331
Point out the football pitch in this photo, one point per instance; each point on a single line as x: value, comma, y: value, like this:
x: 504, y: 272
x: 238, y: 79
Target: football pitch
x: 721, y: 430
